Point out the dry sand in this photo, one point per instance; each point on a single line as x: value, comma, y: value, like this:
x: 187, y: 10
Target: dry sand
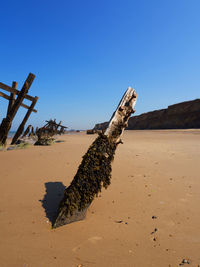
x: 155, y: 173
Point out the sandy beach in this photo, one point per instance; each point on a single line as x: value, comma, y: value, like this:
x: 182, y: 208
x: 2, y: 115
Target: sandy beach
x: 148, y: 216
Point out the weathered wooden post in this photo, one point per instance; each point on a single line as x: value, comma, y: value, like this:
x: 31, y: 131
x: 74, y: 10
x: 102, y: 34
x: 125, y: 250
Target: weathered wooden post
x: 32, y: 131
x: 94, y: 171
x: 27, y: 131
x: 12, y: 97
x: 36, y: 130
x: 6, y: 122
x: 21, y: 127
x: 22, y: 105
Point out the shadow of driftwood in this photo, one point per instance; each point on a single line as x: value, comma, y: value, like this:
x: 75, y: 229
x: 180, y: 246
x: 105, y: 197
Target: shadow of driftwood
x: 52, y: 198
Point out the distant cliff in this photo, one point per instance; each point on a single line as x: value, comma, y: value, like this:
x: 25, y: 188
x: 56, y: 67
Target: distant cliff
x: 183, y: 115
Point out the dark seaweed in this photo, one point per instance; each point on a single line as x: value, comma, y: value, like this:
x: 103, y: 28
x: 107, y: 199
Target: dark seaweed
x: 93, y: 173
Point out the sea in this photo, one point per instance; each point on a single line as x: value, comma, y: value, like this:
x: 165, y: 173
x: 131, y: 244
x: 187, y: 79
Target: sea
x: 11, y: 134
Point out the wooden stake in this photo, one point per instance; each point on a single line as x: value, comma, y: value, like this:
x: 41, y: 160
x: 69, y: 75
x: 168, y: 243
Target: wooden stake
x: 11, y: 90
x: 6, y: 122
x: 32, y: 131
x: 95, y: 168
x: 21, y: 95
x: 22, y: 105
x: 21, y: 127
x: 12, y: 97
x: 26, y: 131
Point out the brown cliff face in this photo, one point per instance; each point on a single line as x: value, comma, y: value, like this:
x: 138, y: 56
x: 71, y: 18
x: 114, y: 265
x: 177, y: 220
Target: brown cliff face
x: 178, y: 116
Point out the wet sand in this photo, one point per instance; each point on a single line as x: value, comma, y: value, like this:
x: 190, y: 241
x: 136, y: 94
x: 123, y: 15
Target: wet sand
x: 148, y: 216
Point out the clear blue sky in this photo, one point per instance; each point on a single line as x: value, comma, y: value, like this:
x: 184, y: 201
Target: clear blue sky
x: 85, y: 53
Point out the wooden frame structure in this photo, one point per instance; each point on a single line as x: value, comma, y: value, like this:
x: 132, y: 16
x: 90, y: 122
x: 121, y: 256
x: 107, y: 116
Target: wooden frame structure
x: 15, y: 102
x: 51, y: 128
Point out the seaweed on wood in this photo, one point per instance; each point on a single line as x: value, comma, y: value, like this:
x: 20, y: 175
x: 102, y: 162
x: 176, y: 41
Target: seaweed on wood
x: 93, y: 173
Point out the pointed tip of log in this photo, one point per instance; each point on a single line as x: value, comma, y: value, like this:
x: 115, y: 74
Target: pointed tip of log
x: 62, y: 219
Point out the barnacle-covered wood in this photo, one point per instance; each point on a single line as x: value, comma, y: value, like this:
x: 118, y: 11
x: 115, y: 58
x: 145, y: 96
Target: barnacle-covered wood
x: 95, y: 169
x: 93, y: 173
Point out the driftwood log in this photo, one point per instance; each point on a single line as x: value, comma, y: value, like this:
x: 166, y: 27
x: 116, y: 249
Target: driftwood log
x: 94, y: 171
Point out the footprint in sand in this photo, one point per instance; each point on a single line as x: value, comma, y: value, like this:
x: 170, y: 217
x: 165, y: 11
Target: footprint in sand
x: 93, y: 240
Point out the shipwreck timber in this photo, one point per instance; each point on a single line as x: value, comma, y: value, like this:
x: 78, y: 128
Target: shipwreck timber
x: 95, y: 169
x: 13, y: 107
